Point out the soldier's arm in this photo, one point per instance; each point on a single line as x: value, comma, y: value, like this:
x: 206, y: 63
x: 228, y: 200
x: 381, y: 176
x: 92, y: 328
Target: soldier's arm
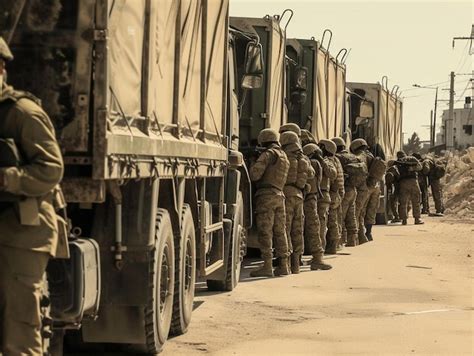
x: 302, y: 174
x: 328, y: 169
x: 258, y: 168
x: 44, y: 164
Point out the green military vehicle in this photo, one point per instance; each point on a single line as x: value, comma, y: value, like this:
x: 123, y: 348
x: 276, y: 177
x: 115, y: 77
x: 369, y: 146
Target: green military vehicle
x: 377, y: 117
x: 317, y: 87
x: 145, y: 98
x: 264, y: 107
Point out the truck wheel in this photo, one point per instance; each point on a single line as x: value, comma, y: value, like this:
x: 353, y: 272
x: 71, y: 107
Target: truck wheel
x: 159, y: 307
x: 185, y: 274
x: 236, y: 252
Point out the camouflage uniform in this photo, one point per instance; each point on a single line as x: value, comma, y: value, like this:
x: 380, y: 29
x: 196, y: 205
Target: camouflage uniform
x: 409, y: 188
x: 329, y: 176
x: 436, y: 187
x: 270, y: 172
x: 364, y: 192
x: 336, y: 192
x: 393, y: 186
x: 27, y: 244
x: 349, y: 222
x: 298, y: 174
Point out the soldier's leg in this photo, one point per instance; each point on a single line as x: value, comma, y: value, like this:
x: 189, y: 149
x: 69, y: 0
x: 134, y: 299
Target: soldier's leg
x: 264, y: 218
x: 290, y: 213
x: 333, y: 232
x: 404, y: 197
x: 312, y: 226
x: 297, y: 228
x: 281, y: 239
x: 323, y: 209
x: 424, y: 198
x: 415, y: 200
x: 371, y: 211
x: 361, y: 210
x: 350, y: 221
x: 23, y: 275
x: 437, y: 196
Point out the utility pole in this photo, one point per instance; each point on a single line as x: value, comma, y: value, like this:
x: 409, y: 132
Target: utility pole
x: 431, y: 130
x: 434, y: 118
x: 449, y: 123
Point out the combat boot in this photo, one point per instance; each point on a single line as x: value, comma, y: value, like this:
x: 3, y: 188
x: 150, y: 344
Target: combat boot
x: 418, y: 221
x: 404, y: 221
x: 331, y: 248
x: 362, y: 238
x: 283, y: 269
x: 368, y: 232
x: 318, y: 264
x: 265, y: 271
x: 295, y: 263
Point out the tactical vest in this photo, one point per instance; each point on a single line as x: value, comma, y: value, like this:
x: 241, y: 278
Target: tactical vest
x: 354, y: 168
x: 293, y: 171
x: 316, y: 180
x: 325, y: 181
x: 276, y: 173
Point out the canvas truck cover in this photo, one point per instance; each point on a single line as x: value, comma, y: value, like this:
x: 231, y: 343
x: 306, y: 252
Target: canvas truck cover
x: 264, y: 107
x: 158, y: 80
x: 326, y: 97
x: 388, y: 116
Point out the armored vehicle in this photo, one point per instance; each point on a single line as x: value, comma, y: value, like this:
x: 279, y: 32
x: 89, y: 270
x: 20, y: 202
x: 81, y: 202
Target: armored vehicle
x: 144, y: 98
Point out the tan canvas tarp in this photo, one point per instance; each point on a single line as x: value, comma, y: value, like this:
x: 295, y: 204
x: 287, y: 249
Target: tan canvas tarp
x: 215, y: 60
x: 126, y: 50
x: 341, y: 100
x: 381, y: 123
x: 277, y: 67
x: 319, y: 127
x: 162, y: 59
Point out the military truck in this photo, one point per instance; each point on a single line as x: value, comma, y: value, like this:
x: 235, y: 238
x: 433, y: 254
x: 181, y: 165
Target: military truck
x: 377, y: 116
x: 144, y: 96
x: 264, y: 107
x: 317, y: 87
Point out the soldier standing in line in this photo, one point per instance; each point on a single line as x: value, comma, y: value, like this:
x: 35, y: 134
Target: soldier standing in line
x: 269, y: 173
x: 359, y: 148
x: 336, y: 191
x: 312, y: 225
x: 436, y: 170
x: 299, y: 173
x: 28, y: 223
x: 423, y: 182
x: 328, y: 177
x: 392, y: 178
x: 409, y: 189
x: 355, y: 172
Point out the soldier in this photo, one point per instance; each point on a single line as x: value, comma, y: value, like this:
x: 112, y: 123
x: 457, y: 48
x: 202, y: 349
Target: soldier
x: 409, y: 189
x: 355, y: 172
x: 306, y: 138
x: 436, y: 170
x: 393, y: 187
x: 299, y: 173
x: 292, y: 127
x: 423, y: 182
x: 29, y: 234
x: 269, y: 173
x: 328, y: 177
x: 336, y: 191
x: 312, y: 225
x: 359, y: 148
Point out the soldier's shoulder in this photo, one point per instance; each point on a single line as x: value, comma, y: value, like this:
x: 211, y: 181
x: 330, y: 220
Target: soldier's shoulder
x: 26, y: 108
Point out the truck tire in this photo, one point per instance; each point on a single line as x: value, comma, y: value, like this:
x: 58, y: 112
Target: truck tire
x: 236, y: 252
x: 185, y: 273
x: 159, y: 308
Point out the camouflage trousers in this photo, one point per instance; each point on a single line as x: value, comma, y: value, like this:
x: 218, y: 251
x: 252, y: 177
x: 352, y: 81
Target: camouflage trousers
x: 323, y: 211
x: 409, y: 192
x: 437, y: 191
x: 348, y: 214
x: 372, y: 205
x: 424, y: 194
x: 334, y: 216
x: 270, y: 219
x: 393, y: 197
x: 361, y: 202
x: 312, y: 225
x: 21, y: 284
x: 294, y: 224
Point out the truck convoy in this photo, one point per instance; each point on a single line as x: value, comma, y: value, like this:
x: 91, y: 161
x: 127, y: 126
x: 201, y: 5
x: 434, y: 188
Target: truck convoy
x: 157, y: 106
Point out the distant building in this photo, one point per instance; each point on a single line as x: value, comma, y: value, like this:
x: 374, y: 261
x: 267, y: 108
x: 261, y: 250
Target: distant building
x: 463, y: 127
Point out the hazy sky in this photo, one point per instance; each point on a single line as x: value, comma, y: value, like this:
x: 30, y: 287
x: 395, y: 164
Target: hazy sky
x: 409, y: 41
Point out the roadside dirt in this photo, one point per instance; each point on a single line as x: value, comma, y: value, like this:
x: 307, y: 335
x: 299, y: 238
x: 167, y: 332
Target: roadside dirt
x: 408, y: 292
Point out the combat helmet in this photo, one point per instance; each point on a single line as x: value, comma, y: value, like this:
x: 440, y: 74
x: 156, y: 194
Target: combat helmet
x: 312, y: 148
x: 5, y: 52
x: 292, y: 127
x: 266, y: 136
x: 358, y: 143
x: 401, y: 154
x: 329, y: 146
x: 306, y: 137
x: 338, y: 141
x: 417, y: 156
x: 289, y: 137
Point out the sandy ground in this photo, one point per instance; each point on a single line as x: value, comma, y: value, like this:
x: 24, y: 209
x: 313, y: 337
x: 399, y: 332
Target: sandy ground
x: 408, y: 292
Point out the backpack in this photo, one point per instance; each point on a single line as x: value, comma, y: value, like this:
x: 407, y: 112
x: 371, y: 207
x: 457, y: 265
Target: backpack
x: 377, y: 168
x: 357, y: 172
x: 439, y: 170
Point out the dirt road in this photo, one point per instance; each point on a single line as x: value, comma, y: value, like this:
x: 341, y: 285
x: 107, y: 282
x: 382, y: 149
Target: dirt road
x: 408, y: 292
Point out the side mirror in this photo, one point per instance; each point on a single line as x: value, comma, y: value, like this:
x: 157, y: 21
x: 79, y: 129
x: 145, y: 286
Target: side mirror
x: 253, y: 76
x: 366, y: 109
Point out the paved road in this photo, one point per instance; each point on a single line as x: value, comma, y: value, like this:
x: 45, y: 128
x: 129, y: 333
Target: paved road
x: 409, y: 292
